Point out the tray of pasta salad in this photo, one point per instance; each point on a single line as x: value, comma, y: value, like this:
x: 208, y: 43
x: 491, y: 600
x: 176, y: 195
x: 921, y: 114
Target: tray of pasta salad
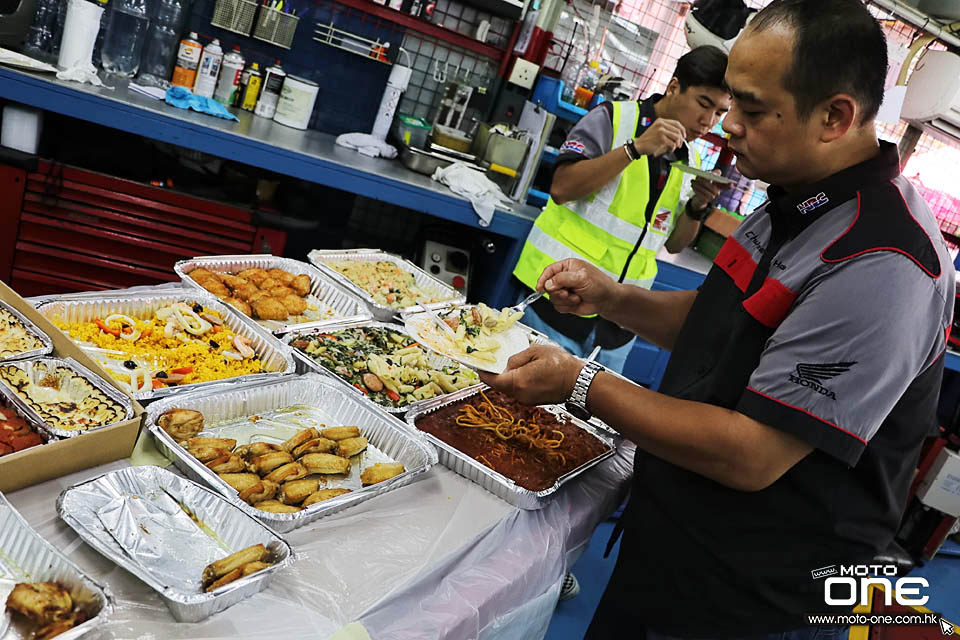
x: 481, y: 337
x: 387, y: 283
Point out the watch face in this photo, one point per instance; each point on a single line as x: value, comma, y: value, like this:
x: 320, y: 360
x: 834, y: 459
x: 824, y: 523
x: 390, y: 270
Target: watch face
x: 577, y: 411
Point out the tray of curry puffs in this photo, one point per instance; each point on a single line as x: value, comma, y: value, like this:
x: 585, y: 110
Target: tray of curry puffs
x: 291, y: 451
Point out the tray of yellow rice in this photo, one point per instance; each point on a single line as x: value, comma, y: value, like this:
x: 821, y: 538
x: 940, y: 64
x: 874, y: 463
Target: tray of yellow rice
x: 157, y: 345
x: 20, y: 338
x: 280, y: 294
x: 63, y: 397
x: 388, y: 284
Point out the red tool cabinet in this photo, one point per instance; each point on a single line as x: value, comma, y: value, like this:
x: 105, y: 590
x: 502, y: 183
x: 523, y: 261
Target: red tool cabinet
x: 66, y: 229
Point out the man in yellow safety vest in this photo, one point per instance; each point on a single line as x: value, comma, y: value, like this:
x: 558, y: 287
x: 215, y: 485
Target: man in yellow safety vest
x: 616, y: 199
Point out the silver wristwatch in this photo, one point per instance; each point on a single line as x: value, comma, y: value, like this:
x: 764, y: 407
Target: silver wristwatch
x: 577, y: 403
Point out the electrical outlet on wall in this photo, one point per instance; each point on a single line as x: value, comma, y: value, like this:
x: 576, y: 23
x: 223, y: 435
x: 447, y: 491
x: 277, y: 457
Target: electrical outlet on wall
x: 524, y: 73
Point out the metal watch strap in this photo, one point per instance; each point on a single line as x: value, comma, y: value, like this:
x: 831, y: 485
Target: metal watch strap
x: 582, y: 385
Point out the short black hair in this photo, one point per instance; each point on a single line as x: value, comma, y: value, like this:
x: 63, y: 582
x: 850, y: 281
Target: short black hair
x: 703, y: 66
x: 839, y: 48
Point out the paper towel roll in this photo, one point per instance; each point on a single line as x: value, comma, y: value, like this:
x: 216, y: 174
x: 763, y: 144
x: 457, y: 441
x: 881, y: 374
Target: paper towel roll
x: 21, y: 128
x: 79, y: 34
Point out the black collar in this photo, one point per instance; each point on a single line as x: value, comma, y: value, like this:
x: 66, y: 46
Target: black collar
x: 802, y: 208
x: 646, y: 117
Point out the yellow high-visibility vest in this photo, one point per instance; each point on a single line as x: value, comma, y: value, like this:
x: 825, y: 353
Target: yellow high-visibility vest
x: 604, y: 228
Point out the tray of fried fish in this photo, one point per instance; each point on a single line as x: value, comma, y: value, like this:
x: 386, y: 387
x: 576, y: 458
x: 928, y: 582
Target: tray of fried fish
x: 291, y: 451
x: 62, y: 396
x: 20, y: 338
x: 279, y: 294
x: 46, y: 595
x: 193, y: 547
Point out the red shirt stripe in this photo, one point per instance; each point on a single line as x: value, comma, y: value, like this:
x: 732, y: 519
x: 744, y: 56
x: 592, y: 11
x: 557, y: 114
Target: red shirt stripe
x: 736, y: 262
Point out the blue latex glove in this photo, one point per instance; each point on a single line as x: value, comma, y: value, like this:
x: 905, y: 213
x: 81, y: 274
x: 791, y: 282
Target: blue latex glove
x: 183, y: 98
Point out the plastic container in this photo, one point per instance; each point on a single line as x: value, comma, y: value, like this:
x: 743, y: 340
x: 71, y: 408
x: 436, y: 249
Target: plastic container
x: 411, y: 131
x: 126, y: 37
x: 163, y: 40
x: 45, y: 32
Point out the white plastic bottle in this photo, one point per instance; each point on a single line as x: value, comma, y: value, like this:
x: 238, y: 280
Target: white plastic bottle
x: 209, y: 70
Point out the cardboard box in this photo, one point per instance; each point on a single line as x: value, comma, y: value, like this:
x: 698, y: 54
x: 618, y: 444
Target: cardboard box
x: 59, y: 458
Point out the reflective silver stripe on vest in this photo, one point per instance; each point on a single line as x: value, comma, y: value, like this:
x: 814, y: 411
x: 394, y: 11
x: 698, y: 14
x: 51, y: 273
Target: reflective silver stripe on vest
x: 559, y: 251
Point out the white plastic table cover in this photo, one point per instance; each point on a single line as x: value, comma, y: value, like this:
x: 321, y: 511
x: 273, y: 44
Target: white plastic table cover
x: 440, y: 558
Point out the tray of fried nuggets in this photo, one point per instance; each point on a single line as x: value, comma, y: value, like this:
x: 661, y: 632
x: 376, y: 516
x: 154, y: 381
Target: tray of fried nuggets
x: 45, y: 594
x: 192, y: 546
x: 279, y: 294
x: 289, y: 452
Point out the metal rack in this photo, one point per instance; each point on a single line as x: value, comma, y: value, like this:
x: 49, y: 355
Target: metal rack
x: 332, y: 36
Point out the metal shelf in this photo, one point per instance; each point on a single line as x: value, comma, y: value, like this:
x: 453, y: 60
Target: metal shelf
x: 427, y: 28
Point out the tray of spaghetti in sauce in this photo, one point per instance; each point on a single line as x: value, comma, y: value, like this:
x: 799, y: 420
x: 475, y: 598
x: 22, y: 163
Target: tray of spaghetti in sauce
x: 521, y: 454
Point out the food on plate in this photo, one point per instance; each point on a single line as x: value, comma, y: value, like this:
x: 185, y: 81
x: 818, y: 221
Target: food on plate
x: 385, y: 365
x: 296, y: 491
x: 275, y: 506
x: 262, y: 294
x: 15, y: 338
x: 61, y: 397
x: 350, y: 447
x: 15, y: 433
x: 323, y: 494
x: 387, y: 283
x: 529, y: 445
x: 475, y: 331
x: 47, y: 605
x: 380, y: 472
x: 325, y: 463
x: 182, y: 343
x: 181, y: 423
x: 226, y: 570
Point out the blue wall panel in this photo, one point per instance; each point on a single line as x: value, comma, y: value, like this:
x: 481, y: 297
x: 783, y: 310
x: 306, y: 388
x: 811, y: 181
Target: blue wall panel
x: 350, y: 86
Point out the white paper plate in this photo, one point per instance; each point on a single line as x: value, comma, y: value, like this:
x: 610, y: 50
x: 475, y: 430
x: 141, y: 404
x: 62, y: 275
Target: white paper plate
x: 422, y: 328
x: 700, y: 173
x: 14, y: 59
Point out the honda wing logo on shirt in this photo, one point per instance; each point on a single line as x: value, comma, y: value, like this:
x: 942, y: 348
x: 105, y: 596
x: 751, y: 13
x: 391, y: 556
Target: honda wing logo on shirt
x: 813, y: 376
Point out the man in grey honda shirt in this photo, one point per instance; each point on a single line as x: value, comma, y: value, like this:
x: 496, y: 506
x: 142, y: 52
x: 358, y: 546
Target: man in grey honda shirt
x: 804, y: 373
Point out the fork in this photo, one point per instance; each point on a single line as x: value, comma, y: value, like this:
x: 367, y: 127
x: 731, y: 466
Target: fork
x: 439, y: 322
x: 526, y: 302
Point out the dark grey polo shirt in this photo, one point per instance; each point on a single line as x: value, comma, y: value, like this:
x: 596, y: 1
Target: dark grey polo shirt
x: 825, y: 315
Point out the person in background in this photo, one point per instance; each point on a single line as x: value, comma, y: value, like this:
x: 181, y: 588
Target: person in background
x: 615, y: 200
x: 804, y: 372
